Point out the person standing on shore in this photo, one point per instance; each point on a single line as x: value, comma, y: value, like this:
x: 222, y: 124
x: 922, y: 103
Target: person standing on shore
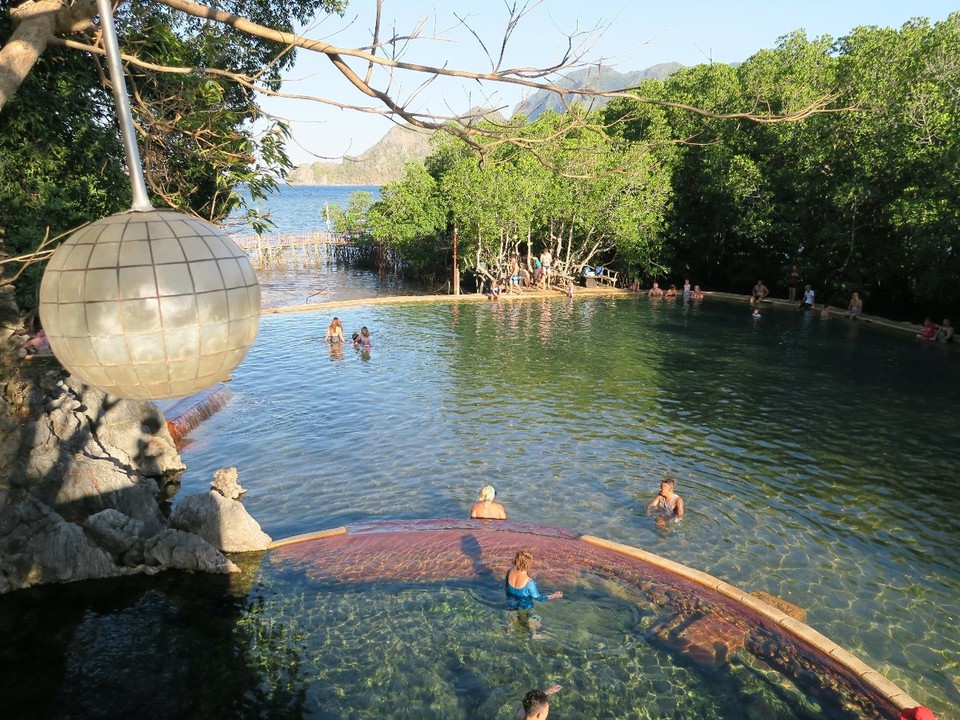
x: 546, y: 259
x: 855, y: 308
x: 793, y: 280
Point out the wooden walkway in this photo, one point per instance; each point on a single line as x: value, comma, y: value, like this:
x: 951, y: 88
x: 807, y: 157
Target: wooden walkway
x: 290, y: 240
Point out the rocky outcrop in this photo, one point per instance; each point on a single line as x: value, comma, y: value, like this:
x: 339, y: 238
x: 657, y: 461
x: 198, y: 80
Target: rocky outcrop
x: 85, y: 486
x: 222, y: 522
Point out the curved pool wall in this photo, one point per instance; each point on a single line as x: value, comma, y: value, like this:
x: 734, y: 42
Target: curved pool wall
x: 709, y: 619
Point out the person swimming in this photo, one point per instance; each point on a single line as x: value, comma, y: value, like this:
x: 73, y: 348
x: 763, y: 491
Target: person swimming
x: 667, y: 504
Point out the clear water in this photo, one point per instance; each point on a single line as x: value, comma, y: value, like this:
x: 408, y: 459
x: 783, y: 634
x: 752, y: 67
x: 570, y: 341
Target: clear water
x: 816, y: 460
x: 814, y: 456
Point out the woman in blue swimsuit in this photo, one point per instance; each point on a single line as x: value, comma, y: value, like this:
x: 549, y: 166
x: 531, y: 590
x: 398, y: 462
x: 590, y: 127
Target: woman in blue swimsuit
x: 521, y: 589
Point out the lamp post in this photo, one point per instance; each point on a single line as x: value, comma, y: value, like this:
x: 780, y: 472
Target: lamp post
x: 148, y: 303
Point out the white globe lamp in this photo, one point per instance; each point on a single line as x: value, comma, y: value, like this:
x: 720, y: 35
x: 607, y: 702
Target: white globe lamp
x: 150, y: 303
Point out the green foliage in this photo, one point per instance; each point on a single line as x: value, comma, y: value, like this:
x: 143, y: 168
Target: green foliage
x: 409, y: 220
x: 58, y: 151
x: 862, y: 199
x: 61, y: 160
x: 584, y: 193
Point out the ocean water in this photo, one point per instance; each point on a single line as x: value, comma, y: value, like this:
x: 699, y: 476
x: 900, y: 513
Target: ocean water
x: 300, y: 209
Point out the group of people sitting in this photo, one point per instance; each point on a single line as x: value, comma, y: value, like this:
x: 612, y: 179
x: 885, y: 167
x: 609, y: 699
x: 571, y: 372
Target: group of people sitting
x: 539, y: 274
x: 936, y: 333
x: 521, y: 590
x: 694, y: 293
x: 760, y: 292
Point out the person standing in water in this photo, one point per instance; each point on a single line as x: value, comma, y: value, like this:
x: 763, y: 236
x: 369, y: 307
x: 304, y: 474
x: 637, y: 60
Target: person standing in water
x: 334, y: 332
x: 667, y: 504
x: 362, y: 339
x: 521, y: 589
x: 485, y: 508
x: 536, y: 704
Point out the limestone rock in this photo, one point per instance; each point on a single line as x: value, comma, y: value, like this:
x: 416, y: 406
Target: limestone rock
x: 84, y: 487
x: 120, y: 535
x: 222, y: 522
x: 184, y: 551
x: 133, y: 431
x: 39, y: 546
x: 225, y: 482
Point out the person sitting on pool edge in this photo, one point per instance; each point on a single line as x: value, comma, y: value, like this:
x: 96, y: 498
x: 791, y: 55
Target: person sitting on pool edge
x: 667, y: 503
x: 486, y: 508
x: 536, y: 704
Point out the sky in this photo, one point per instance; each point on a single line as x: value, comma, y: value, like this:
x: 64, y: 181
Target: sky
x: 625, y: 35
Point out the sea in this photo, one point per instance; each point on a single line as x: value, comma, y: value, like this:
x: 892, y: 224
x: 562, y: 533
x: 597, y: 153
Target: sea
x: 321, y: 277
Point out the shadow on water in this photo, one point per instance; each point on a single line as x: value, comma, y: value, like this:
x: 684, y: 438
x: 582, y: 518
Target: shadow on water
x: 172, y: 646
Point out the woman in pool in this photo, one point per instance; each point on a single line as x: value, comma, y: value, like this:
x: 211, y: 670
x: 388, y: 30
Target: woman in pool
x: 486, y: 508
x: 521, y: 589
x: 334, y: 332
x: 667, y: 503
x: 362, y: 339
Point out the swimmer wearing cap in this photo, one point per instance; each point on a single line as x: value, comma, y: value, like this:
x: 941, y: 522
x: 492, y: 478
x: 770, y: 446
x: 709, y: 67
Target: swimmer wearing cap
x: 487, y: 508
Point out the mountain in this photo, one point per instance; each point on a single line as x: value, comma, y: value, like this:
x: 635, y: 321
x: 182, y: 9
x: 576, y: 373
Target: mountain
x: 593, y: 78
x: 384, y: 162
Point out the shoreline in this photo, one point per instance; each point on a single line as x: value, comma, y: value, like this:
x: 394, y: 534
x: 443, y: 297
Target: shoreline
x: 880, y: 322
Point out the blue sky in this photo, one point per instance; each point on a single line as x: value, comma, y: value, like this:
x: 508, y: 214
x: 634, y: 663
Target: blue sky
x: 629, y: 35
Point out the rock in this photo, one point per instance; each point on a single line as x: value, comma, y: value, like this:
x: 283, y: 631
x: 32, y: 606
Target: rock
x: 120, y: 535
x: 133, y: 431
x: 39, y: 546
x: 84, y: 487
x: 80, y: 498
x: 222, y: 522
x: 225, y: 483
x: 184, y: 551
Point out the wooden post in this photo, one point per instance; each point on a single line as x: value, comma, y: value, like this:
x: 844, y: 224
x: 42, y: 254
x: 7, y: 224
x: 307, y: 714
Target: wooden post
x: 456, y: 269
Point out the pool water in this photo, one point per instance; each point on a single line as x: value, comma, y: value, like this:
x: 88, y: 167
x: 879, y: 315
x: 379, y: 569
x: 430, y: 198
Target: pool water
x: 814, y: 457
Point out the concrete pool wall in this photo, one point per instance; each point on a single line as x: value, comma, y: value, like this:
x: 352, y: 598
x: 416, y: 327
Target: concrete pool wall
x: 450, y: 548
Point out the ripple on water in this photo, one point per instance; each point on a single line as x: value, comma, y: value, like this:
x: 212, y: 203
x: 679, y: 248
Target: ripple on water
x: 800, y: 472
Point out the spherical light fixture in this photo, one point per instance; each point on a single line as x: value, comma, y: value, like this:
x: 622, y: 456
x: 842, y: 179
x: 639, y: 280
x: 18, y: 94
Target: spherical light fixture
x: 147, y: 304
x: 150, y: 304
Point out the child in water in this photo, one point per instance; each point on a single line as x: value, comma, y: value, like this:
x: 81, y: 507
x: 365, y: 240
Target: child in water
x: 667, y: 504
x: 756, y: 314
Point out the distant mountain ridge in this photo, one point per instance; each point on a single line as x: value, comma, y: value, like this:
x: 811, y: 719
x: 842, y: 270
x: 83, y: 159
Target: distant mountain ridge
x: 385, y: 161
x: 592, y: 78
x: 381, y: 164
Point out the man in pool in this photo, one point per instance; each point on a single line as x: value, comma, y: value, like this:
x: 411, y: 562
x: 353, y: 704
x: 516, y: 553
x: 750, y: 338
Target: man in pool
x: 486, y: 508
x: 668, y: 505
x: 536, y: 704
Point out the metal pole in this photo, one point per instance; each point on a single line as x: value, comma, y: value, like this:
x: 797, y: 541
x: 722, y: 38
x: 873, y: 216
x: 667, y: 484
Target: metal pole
x: 141, y: 202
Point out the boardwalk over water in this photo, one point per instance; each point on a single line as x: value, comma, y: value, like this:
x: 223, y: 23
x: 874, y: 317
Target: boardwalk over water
x: 291, y: 240
x: 297, y: 249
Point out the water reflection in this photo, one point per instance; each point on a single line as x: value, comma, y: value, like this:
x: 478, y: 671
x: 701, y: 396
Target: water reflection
x: 797, y: 447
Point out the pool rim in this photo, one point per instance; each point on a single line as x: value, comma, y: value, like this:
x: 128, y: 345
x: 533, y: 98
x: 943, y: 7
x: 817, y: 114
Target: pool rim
x: 866, y: 674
